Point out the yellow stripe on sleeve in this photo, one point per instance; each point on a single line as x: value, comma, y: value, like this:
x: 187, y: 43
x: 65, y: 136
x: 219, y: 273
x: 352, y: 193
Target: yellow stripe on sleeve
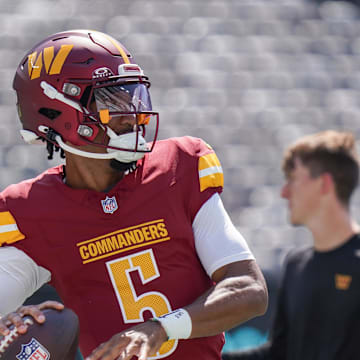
x: 9, y: 231
x: 210, y: 172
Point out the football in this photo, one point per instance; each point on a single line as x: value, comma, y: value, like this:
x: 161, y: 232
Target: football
x: 55, y: 339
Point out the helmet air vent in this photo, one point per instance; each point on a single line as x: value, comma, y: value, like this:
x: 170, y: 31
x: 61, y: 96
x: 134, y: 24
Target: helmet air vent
x: 51, y: 114
x: 60, y: 38
x: 85, y: 62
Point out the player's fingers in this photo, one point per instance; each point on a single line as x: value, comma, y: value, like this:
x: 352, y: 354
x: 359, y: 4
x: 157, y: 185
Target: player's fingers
x: 101, y: 352
x: 111, y: 349
x: 125, y: 355
x: 33, y: 311
x: 112, y: 353
x: 51, y: 304
x: 144, y: 352
x: 132, y: 349
x: 36, y: 310
x: 4, y: 330
x: 94, y: 355
x: 16, y: 319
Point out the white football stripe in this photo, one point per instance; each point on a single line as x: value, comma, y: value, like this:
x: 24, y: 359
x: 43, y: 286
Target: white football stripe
x: 8, y: 228
x: 210, y: 171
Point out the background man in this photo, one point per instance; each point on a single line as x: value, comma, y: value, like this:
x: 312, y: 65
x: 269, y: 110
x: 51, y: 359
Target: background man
x: 318, y: 306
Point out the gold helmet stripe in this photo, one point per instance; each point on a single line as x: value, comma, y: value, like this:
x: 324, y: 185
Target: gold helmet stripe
x: 121, y: 50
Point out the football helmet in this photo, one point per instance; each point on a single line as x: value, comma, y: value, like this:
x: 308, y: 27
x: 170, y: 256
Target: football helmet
x: 70, y: 85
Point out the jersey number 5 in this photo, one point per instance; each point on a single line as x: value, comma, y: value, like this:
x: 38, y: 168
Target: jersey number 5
x: 133, y: 305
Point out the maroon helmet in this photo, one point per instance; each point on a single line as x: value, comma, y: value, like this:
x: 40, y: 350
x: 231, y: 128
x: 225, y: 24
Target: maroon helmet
x: 72, y: 83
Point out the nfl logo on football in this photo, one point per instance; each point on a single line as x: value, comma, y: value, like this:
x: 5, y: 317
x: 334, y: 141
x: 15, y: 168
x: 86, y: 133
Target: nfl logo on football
x: 109, y: 205
x: 33, y: 351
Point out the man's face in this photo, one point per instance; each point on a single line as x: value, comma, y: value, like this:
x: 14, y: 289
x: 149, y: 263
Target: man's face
x: 303, y: 194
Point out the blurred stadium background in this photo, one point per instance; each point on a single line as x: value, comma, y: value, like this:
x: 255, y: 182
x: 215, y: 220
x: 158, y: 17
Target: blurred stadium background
x: 248, y: 76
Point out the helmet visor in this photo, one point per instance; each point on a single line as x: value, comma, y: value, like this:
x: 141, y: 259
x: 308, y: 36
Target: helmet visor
x: 125, y: 98
x: 121, y: 102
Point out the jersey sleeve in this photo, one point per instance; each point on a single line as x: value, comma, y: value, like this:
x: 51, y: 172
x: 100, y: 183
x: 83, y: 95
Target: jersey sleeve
x: 20, y: 276
x: 9, y: 230
x: 217, y: 241
x: 210, y: 177
x: 210, y: 171
x: 201, y: 172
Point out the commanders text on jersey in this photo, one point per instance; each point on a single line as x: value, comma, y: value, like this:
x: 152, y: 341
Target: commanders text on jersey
x: 122, y: 240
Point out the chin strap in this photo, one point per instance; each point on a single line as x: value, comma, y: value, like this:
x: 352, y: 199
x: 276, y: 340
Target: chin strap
x: 125, y: 141
x: 122, y: 156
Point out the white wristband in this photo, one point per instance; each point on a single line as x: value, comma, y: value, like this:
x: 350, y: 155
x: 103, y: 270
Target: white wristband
x: 177, y: 324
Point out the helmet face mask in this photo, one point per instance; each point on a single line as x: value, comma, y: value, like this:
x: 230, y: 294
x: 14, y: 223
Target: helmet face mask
x: 119, y: 99
x: 77, y: 82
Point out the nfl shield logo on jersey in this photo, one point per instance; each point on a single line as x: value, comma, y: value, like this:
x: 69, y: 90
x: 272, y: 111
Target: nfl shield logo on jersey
x: 109, y: 205
x: 33, y: 351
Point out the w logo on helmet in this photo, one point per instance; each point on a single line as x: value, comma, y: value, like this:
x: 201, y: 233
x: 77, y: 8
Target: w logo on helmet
x: 46, y: 57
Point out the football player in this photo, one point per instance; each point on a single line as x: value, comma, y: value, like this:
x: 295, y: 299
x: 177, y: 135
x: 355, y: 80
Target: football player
x: 130, y: 231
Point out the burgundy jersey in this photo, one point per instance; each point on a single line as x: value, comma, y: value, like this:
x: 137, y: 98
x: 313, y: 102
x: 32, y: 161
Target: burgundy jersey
x: 120, y: 257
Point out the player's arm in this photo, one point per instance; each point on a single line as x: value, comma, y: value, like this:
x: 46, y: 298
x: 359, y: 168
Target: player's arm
x: 275, y: 347
x: 240, y: 291
x: 239, y: 295
x: 21, y: 277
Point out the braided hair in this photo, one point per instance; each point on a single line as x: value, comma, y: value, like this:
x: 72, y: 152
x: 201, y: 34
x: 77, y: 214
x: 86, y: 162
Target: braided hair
x: 51, y: 147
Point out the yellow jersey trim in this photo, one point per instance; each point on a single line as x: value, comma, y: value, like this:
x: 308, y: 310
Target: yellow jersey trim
x: 9, y: 231
x: 210, y: 172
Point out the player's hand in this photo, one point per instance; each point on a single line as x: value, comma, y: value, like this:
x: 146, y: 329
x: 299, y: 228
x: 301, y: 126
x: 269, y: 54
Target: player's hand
x: 16, y: 317
x: 141, y: 340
